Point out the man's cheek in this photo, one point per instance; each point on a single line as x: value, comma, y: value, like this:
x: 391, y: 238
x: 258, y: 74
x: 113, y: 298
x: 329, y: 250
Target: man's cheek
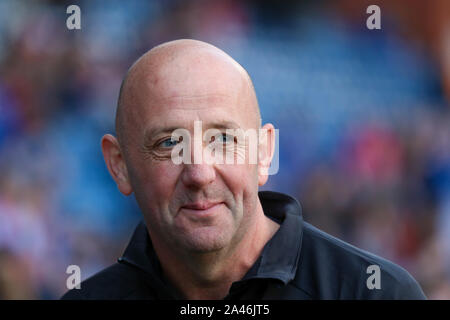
x: 237, y: 177
x: 162, y: 179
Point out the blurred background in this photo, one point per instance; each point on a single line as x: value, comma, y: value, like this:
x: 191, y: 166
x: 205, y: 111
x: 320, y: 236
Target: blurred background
x: 363, y: 117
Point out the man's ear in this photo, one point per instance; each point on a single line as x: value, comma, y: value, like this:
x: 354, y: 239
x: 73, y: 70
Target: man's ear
x: 265, y: 152
x: 116, y: 163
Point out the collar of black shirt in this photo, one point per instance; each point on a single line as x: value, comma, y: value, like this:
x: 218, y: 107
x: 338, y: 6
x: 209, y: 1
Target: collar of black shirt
x: 278, y: 260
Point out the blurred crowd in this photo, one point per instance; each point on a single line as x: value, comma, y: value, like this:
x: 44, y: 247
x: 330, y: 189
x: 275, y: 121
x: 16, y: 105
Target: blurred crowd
x: 363, y: 118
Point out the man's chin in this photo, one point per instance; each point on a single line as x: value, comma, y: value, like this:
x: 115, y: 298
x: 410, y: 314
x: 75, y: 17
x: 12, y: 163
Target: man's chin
x: 205, y: 241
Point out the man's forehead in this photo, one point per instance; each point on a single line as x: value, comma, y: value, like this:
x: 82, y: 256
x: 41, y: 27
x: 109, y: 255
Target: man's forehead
x: 197, y: 82
x: 183, y: 111
x: 195, y: 73
x: 178, y: 79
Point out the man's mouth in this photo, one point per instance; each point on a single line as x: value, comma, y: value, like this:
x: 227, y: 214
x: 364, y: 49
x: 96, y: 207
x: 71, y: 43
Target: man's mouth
x: 200, y: 205
x: 201, y: 208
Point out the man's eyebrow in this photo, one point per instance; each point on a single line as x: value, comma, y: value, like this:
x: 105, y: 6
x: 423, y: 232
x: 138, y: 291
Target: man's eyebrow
x: 155, y: 131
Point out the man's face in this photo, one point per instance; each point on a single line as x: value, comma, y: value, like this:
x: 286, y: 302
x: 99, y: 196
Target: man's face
x: 198, y: 207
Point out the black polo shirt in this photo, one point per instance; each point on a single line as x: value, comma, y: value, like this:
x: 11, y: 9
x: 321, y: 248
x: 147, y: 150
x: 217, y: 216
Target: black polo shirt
x: 299, y: 262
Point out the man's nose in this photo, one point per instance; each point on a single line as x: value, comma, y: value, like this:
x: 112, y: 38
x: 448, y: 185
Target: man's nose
x: 198, y: 175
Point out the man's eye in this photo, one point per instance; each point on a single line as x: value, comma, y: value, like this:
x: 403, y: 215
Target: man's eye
x: 224, y: 138
x: 168, y: 143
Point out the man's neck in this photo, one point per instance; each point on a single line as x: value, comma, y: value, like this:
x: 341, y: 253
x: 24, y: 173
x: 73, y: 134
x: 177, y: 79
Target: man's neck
x: 210, y: 275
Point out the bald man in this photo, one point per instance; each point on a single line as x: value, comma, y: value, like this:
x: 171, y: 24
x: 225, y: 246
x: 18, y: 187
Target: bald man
x: 207, y: 233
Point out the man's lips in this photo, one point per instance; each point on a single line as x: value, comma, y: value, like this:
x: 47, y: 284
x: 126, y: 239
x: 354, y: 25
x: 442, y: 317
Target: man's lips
x: 200, y: 205
x: 201, y: 210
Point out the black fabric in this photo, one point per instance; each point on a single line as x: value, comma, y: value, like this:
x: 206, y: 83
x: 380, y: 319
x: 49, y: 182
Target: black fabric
x: 299, y: 262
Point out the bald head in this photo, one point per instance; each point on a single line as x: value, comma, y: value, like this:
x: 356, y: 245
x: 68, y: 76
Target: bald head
x: 175, y: 87
x: 181, y: 70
